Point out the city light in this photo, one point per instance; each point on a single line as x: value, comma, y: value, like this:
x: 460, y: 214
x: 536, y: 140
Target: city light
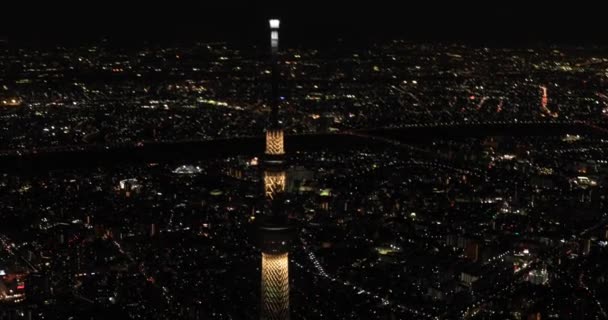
x: 367, y: 174
x: 274, y: 23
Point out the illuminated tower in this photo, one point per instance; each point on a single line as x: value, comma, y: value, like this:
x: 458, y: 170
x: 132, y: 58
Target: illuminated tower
x: 275, y: 233
x: 274, y: 174
x: 544, y: 100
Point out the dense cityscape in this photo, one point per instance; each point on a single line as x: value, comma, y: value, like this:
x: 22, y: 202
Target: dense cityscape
x: 74, y: 97
x: 209, y: 181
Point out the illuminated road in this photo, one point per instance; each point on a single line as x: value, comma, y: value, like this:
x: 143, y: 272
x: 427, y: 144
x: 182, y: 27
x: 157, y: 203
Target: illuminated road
x: 8, y: 246
x: 165, y: 292
x: 498, y: 291
x: 320, y: 271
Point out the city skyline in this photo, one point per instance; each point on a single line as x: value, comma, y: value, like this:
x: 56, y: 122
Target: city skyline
x: 306, y: 177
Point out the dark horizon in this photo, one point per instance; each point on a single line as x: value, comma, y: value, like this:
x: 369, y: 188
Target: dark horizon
x: 243, y: 25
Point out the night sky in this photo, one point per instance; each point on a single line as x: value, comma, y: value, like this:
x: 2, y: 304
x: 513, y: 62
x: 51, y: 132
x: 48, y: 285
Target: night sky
x: 318, y: 24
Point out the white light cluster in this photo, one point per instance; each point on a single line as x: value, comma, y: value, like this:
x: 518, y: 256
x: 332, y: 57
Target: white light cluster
x: 274, y: 23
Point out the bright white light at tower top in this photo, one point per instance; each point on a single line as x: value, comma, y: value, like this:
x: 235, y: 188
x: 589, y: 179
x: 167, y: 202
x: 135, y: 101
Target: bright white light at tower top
x: 274, y: 23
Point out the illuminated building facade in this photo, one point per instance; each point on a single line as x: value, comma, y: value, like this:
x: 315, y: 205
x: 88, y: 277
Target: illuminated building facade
x: 544, y: 102
x: 274, y: 142
x: 275, y: 280
x: 275, y: 272
x: 274, y: 230
x: 324, y: 199
x: 274, y: 183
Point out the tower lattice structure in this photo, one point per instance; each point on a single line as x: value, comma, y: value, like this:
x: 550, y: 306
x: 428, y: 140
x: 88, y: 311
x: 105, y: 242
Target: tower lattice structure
x: 274, y: 231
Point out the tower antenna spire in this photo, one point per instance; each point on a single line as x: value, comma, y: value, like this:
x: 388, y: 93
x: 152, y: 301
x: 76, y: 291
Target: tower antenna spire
x: 274, y: 50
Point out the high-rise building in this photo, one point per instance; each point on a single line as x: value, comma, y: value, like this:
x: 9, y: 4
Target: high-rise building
x: 275, y: 233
